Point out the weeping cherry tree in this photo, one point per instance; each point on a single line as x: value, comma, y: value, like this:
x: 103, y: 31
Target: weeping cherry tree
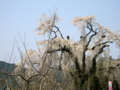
x: 60, y: 63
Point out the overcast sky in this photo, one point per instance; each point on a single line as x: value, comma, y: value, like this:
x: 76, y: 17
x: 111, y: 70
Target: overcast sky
x: 22, y: 15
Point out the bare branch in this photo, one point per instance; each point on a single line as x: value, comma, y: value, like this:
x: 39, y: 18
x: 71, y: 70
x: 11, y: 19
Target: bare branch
x: 59, y: 31
x: 6, y: 73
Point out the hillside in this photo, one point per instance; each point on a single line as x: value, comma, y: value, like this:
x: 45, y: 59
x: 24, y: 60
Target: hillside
x: 6, y: 67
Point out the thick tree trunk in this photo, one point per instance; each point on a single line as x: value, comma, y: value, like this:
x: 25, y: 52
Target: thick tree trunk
x: 27, y: 87
x: 88, y: 84
x: 80, y: 81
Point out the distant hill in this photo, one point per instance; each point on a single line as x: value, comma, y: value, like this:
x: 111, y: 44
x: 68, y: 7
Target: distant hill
x: 6, y: 67
x: 9, y: 68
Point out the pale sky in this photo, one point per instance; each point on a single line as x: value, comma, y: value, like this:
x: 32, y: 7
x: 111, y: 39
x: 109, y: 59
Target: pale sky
x: 22, y: 15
